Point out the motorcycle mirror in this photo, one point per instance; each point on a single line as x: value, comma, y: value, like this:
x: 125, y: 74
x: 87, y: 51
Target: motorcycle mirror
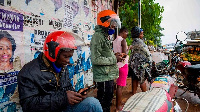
x: 181, y: 36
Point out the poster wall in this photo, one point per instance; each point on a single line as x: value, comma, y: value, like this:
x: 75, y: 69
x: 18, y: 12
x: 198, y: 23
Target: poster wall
x: 24, y: 25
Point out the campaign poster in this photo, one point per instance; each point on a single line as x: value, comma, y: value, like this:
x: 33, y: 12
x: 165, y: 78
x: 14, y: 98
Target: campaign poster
x: 11, y: 56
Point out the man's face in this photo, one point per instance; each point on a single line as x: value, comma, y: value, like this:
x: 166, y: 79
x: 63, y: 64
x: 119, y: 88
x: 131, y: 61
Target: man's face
x: 5, y: 50
x: 112, y: 27
x: 63, y: 58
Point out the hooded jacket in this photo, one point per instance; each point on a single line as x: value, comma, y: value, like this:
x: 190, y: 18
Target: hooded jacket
x: 104, y: 62
x: 39, y: 91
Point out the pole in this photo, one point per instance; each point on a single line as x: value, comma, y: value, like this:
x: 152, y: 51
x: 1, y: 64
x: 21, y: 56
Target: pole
x: 156, y: 45
x: 139, y: 13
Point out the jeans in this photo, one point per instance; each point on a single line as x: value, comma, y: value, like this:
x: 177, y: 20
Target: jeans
x: 89, y: 104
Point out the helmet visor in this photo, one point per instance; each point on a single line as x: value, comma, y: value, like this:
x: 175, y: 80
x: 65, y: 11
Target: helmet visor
x: 69, y: 40
x: 115, y: 21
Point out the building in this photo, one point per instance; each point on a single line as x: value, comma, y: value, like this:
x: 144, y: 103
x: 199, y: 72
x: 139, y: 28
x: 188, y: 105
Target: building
x: 193, y: 35
x: 30, y: 21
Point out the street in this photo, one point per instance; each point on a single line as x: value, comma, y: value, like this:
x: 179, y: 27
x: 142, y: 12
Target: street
x: 194, y: 101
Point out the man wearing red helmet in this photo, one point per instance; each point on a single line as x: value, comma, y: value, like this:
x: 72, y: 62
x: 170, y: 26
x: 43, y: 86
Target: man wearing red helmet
x: 104, y: 61
x: 44, y: 84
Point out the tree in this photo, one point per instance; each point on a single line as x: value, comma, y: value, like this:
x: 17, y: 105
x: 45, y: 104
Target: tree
x: 151, y: 16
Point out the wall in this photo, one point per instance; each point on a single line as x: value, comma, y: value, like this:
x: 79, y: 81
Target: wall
x: 29, y: 22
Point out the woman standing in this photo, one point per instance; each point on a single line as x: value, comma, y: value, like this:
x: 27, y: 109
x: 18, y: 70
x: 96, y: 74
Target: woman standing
x: 139, y: 56
x: 120, y: 46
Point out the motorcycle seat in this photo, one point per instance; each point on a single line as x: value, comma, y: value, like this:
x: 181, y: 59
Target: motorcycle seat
x: 154, y: 100
x: 193, y: 67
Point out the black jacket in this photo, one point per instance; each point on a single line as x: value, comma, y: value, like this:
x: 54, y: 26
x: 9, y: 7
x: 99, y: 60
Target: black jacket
x: 39, y: 90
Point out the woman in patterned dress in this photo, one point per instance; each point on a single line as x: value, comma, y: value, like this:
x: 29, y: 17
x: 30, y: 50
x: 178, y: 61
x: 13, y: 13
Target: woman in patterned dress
x: 139, y: 56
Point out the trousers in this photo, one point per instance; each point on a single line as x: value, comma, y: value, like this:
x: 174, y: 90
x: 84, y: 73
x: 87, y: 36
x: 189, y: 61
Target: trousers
x: 105, y: 94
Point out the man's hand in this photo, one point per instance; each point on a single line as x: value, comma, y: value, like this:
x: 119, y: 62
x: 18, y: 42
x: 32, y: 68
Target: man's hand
x: 74, y: 97
x: 123, y: 55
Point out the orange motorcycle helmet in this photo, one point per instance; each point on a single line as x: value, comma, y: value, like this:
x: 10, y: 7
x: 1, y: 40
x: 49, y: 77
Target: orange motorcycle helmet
x: 58, y: 40
x: 108, y: 18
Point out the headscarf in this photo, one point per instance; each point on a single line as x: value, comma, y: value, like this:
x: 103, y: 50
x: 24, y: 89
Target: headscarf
x: 135, y: 32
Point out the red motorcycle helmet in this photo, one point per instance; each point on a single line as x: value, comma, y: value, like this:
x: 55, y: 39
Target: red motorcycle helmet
x: 58, y: 40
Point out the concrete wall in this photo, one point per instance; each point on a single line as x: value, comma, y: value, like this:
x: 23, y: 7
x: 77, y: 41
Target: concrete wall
x: 29, y: 22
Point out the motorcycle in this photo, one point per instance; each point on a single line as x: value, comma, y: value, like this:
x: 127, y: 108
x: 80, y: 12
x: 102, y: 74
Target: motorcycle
x: 187, y: 75
x: 161, y: 95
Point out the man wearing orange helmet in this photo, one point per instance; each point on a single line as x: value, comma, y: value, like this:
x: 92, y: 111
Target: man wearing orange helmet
x: 44, y: 84
x: 104, y: 61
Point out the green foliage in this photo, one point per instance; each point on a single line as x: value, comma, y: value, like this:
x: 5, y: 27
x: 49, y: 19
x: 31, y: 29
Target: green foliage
x: 151, y: 16
x: 129, y: 41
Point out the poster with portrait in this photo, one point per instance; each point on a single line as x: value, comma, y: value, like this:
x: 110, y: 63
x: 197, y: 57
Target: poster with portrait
x: 11, y: 56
